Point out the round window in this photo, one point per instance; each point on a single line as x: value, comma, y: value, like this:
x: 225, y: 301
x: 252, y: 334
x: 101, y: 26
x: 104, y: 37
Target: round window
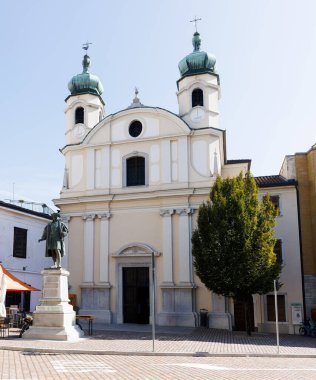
x: 135, y: 128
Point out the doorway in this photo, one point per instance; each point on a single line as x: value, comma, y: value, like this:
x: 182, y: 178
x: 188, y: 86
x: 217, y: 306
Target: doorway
x: 136, y: 295
x: 240, y: 316
x: 22, y: 299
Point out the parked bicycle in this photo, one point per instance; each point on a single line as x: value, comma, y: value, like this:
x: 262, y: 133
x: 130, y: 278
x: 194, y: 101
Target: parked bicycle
x: 27, y: 322
x: 307, y: 328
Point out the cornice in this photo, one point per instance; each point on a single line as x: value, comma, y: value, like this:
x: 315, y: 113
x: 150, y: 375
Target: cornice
x: 137, y: 196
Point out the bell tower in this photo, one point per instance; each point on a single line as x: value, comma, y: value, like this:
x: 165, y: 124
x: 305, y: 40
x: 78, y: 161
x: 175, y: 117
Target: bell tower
x: 85, y: 106
x: 198, y: 88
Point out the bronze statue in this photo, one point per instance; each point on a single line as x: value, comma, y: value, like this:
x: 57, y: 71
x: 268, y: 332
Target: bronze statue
x: 54, y: 234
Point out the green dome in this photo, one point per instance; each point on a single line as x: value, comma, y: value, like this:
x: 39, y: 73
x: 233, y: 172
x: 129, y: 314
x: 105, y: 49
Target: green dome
x: 85, y: 83
x: 198, y: 62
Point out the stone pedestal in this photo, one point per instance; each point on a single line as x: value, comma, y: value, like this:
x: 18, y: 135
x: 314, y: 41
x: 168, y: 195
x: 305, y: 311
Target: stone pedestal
x: 219, y: 318
x: 54, y: 318
x: 177, y: 306
x: 95, y: 299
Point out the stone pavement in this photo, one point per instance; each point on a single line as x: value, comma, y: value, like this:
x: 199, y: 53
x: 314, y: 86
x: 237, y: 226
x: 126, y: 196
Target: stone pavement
x: 174, y: 341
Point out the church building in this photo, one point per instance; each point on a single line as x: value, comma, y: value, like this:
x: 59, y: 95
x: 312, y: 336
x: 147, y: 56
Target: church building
x: 133, y: 183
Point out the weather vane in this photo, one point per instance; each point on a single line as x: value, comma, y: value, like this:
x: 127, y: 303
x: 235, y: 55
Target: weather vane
x: 195, y: 21
x: 86, y: 45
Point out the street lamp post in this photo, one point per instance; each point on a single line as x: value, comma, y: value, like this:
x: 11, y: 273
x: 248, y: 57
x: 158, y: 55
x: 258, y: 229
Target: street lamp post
x: 276, y: 315
x: 153, y: 302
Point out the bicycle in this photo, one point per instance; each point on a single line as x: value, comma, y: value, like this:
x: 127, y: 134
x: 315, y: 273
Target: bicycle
x: 27, y: 322
x: 307, y: 329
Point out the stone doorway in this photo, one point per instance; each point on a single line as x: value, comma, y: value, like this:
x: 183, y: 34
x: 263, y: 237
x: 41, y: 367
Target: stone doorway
x: 136, y: 295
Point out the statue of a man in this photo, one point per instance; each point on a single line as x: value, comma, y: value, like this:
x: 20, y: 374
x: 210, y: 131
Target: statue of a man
x: 54, y: 234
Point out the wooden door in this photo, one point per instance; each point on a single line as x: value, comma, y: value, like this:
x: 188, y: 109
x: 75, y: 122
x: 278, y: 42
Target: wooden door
x: 240, y: 316
x: 136, y: 295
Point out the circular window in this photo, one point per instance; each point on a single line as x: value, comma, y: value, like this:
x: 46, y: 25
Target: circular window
x: 135, y: 128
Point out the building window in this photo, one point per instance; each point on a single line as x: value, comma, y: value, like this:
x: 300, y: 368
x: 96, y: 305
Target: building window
x: 271, y: 308
x: 135, y: 128
x: 135, y: 171
x: 79, y: 115
x: 197, y: 97
x: 275, y: 199
x: 278, y: 251
x: 19, y: 242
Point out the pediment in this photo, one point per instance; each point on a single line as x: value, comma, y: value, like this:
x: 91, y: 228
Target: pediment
x: 136, y: 250
x: 156, y: 123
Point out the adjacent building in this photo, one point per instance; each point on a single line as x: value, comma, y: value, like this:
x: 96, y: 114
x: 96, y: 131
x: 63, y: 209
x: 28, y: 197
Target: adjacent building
x: 20, y: 252
x: 284, y: 195
x: 302, y: 168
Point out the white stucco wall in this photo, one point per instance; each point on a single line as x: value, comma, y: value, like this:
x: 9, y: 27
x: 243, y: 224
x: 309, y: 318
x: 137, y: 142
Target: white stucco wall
x: 35, y: 260
x: 287, y: 229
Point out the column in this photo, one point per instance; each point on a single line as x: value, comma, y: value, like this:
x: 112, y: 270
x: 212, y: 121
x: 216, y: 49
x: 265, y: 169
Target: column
x: 185, y: 264
x: 88, y: 247
x: 167, y: 246
x: 104, y: 247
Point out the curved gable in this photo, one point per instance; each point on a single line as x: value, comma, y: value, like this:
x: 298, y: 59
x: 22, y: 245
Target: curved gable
x: 156, y: 123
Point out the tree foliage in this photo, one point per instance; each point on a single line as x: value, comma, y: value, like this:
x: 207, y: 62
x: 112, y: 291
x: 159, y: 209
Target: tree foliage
x: 234, y: 240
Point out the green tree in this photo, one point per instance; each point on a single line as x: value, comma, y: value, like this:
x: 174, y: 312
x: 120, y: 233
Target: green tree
x: 234, y: 240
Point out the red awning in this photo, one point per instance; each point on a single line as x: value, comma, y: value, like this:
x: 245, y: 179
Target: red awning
x: 13, y: 284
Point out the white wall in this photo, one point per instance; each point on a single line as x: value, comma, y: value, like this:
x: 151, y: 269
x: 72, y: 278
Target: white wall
x: 287, y: 230
x: 35, y: 252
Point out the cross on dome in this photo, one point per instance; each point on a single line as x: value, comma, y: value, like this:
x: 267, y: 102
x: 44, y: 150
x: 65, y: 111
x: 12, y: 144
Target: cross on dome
x: 195, y: 20
x: 86, y: 45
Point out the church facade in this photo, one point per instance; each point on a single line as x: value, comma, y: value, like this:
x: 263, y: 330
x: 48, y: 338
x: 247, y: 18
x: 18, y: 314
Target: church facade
x: 133, y: 183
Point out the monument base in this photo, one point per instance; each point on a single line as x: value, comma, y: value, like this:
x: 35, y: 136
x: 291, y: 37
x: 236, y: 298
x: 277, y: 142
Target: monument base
x: 54, y: 318
x: 72, y: 333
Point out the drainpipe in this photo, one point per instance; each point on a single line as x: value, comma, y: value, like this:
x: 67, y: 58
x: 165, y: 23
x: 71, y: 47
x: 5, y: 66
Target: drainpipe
x: 191, y: 266
x: 111, y: 200
x: 301, y: 250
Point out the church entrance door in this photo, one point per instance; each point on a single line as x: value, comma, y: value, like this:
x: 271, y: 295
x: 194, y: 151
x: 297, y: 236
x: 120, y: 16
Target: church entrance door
x: 136, y: 295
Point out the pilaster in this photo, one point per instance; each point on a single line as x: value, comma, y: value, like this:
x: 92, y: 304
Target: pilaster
x: 185, y: 264
x: 88, y: 248
x: 166, y: 161
x: 90, y: 162
x: 167, y: 246
x: 66, y: 219
x: 104, y: 247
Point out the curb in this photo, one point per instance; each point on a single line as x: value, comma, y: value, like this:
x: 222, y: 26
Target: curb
x: 149, y: 353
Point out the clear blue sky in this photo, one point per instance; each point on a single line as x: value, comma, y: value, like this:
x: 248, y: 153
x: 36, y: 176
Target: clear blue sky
x: 266, y: 59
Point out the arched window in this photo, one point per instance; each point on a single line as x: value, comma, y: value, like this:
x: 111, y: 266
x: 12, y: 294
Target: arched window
x: 79, y: 115
x: 197, y: 97
x: 135, y: 171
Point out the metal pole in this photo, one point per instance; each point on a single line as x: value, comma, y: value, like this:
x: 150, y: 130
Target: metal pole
x: 153, y: 302
x: 276, y: 316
